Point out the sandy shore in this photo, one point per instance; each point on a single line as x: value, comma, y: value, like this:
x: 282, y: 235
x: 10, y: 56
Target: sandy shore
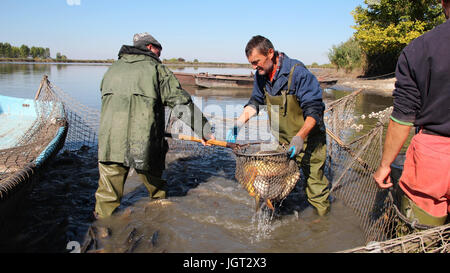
x: 382, y: 85
x: 354, y: 81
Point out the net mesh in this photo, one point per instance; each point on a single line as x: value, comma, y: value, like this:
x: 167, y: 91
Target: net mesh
x: 84, y: 122
x: 34, y: 137
x: 353, y: 158
x: 433, y: 240
x: 353, y: 155
x: 266, y: 172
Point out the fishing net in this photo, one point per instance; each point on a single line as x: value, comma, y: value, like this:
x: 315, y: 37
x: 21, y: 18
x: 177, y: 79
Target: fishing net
x: 181, y: 148
x: 31, y: 132
x: 353, y: 158
x: 432, y: 240
x: 354, y: 155
x: 84, y: 123
x: 354, y: 152
x: 266, y: 172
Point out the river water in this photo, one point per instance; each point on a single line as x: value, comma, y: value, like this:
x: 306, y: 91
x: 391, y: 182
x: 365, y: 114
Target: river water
x: 206, y: 209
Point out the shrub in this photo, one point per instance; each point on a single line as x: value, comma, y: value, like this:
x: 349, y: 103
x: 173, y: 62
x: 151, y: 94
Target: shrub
x: 348, y: 55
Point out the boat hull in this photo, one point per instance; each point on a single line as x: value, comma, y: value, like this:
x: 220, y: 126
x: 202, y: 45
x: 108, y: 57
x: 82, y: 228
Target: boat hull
x: 224, y: 81
x: 185, y: 78
x: 238, y: 81
x: 205, y: 80
x: 23, y: 152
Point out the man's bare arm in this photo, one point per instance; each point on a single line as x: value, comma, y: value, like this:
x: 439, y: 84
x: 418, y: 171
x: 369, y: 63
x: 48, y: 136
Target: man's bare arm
x: 248, y: 113
x: 395, y: 139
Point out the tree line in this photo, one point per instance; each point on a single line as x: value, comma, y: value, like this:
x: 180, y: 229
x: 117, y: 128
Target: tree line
x: 9, y: 51
x: 24, y: 51
x: 383, y: 29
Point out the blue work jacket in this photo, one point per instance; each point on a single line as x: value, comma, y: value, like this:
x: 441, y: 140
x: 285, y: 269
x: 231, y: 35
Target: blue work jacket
x: 304, y: 85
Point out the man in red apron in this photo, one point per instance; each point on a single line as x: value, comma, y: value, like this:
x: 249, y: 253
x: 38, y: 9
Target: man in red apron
x: 422, y: 99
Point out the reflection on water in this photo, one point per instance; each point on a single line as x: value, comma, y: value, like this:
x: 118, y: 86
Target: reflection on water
x: 206, y: 210
x: 82, y: 82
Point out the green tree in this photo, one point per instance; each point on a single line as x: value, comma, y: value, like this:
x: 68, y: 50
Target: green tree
x: 15, y: 52
x: 173, y: 60
x: 47, y: 53
x: 385, y: 27
x: 41, y: 52
x: 7, y: 50
x: 348, y: 55
x: 34, y: 52
x: 24, y: 51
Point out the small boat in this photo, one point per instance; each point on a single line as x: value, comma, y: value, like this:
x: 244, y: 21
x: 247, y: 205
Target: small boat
x: 326, y: 83
x: 185, y: 78
x: 32, y: 131
x: 206, y: 80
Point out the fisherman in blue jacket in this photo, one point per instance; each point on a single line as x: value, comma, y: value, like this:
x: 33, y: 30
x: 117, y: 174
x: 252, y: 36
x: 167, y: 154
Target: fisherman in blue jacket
x: 294, y: 103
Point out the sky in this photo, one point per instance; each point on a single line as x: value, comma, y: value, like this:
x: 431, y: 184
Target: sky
x: 207, y: 30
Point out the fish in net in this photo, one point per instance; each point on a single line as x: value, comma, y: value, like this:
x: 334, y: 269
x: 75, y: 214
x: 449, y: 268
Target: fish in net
x: 268, y: 175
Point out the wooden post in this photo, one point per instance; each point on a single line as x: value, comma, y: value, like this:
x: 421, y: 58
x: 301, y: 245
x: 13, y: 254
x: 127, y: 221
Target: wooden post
x: 44, y: 79
x: 349, y: 150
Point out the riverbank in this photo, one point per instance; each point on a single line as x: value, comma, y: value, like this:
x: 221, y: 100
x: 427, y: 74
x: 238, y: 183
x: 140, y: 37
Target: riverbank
x: 383, y: 86
x: 28, y: 60
x: 353, y: 80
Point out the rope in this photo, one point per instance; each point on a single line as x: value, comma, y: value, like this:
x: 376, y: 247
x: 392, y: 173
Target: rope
x: 381, y: 76
x: 412, y: 224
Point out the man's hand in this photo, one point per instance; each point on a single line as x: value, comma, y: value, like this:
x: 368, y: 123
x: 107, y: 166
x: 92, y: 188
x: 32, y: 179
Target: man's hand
x: 208, y: 137
x: 296, y: 146
x: 396, y: 136
x: 382, y: 177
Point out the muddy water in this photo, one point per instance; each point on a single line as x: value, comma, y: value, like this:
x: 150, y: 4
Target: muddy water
x: 206, y: 209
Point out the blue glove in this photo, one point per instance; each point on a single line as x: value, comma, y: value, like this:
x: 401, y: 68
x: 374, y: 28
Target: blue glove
x: 296, y: 146
x: 232, y: 134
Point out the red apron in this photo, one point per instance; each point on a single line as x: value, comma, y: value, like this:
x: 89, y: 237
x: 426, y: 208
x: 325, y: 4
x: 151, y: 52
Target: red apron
x: 426, y: 173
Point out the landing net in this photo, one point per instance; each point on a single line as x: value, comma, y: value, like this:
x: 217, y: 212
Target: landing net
x: 266, y: 172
